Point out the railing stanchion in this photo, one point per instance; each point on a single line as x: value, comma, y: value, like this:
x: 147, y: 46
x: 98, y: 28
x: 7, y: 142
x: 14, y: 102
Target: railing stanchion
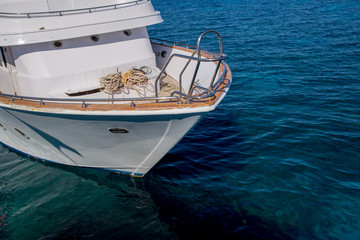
x: 214, y: 76
x: 83, y: 104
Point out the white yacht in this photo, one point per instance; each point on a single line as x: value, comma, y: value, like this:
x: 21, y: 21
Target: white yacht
x: 82, y: 84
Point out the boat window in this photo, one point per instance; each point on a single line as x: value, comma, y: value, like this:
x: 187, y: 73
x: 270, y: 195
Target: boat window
x: 57, y: 44
x: 127, y: 33
x: 2, y: 58
x: 95, y: 38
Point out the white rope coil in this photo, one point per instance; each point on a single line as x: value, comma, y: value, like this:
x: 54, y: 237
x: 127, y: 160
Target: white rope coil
x: 111, y: 82
x: 136, y: 79
x: 115, y: 82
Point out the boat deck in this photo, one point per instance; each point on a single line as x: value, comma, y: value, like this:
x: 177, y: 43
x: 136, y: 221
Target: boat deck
x: 142, y: 104
x: 195, y: 97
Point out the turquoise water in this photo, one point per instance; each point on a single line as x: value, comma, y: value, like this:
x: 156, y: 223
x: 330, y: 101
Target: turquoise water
x: 279, y: 159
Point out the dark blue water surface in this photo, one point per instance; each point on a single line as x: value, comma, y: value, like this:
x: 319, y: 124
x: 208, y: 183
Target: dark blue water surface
x: 279, y: 159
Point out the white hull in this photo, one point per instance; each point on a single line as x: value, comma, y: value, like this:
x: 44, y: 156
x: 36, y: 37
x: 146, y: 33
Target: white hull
x: 85, y: 140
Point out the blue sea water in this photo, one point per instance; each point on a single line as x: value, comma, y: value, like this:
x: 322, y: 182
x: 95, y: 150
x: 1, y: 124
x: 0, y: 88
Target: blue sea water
x: 279, y: 158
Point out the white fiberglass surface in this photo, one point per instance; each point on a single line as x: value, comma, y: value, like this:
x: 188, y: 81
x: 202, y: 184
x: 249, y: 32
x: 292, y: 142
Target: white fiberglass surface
x: 38, y: 25
x: 46, y: 71
x: 87, y: 141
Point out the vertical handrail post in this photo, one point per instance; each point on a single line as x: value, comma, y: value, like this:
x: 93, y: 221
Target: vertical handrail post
x: 199, y: 58
x: 182, y: 72
x: 158, y: 77
x: 214, y: 76
x: 194, y: 77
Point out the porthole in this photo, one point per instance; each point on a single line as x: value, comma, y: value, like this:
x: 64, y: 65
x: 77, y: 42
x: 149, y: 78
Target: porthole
x: 118, y: 130
x: 163, y: 54
x: 2, y: 126
x: 127, y: 33
x: 95, y: 38
x: 22, y: 134
x: 57, y: 44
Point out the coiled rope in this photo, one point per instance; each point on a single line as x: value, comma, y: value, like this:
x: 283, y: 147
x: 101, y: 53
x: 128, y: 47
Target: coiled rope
x: 132, y: 79
x: 136, y: 79
x: 111, y: 82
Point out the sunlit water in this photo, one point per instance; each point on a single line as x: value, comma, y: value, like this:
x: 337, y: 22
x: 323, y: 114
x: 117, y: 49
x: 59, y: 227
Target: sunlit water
x: 279, y: 159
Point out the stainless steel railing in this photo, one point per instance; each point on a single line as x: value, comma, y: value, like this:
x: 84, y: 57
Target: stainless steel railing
x: 71, y: 11
x: 214, y: 58
x: 85, y: 102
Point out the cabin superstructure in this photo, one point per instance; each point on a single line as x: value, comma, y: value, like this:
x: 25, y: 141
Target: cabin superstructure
x: 50, y: 46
